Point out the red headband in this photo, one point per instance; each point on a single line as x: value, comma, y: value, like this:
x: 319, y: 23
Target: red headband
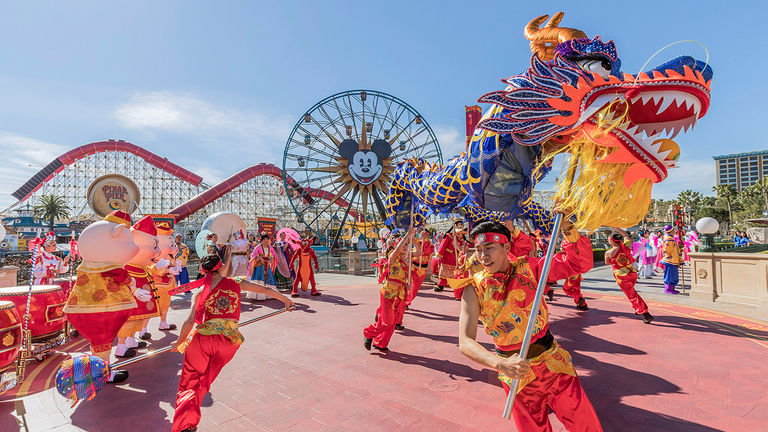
x: 216, y: 267
x: 490, y: 237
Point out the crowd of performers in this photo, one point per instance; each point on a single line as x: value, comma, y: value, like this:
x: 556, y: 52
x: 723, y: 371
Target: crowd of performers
x: 496, y: 286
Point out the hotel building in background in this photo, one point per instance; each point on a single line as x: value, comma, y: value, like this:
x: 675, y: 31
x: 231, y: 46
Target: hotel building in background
x: 741, y: 170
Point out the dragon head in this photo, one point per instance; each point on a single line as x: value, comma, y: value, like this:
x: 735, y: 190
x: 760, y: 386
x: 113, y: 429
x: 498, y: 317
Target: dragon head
x: 575, y: 91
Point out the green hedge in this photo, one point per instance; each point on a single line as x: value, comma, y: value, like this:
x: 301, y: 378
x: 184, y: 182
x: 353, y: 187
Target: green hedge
x: 598, y: 255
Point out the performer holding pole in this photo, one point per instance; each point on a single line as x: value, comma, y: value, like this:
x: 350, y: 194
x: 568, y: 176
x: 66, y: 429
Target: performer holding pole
x: 506, y: 289
x: 620, y: 258
x: 671, y: 260
x: 216, y: 312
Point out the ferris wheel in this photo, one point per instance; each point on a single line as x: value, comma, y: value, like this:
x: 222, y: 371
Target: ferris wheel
x: 340, y: 156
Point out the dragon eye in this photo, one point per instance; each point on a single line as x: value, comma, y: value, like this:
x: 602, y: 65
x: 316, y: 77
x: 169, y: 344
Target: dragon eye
x: 600, y: 67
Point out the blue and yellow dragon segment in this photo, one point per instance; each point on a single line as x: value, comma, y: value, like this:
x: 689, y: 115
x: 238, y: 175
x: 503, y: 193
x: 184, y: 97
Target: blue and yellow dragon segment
x: 573, y: 99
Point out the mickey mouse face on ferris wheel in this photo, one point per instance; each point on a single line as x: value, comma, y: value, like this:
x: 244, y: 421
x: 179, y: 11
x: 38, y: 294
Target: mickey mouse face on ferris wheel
x: 365, y: 165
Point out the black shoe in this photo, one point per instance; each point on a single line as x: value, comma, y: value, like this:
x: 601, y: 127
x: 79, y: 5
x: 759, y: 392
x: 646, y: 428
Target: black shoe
x: 316, y: 293
x: 399, y: 327
x: 551, y: 294
x: 294, y: 295
x: 170, y: 327
x: 190, y: 429
x: 120, y: 376
x: 381, y: 349
x: 582, y: 304
x: 142, y: 344
x: 367, y: 343
x: 406, y: 308
x: 145, y: 336
x: 438, y: 288
x: 376, y: 318
x: 130, y: 352
x: 647, y: 318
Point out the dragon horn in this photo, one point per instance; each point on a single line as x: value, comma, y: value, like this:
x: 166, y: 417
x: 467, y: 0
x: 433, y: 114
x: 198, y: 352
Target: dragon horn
x: 545, y: 39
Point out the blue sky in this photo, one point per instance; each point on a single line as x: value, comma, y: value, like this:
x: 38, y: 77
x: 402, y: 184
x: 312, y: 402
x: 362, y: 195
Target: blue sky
x: 217, y: 86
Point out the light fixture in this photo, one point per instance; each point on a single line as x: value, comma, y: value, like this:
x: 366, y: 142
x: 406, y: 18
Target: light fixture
x: 707, y: 226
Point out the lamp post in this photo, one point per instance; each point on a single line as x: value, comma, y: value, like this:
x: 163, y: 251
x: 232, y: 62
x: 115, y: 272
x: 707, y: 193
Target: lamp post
x: 707, y: 226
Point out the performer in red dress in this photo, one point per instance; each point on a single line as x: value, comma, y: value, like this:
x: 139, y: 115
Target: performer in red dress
x: 620, y: 258
x: 305, y: 276
x: 391, y: 297
x: 449, y: 254
x: 47, y: 266
x: 216, y: 312
x: 502, y: 300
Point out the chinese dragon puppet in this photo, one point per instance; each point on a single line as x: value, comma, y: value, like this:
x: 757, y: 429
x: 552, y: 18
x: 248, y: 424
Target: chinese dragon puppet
x: 573, y: 99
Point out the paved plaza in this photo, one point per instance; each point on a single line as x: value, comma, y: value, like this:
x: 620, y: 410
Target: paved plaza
x: 691, y: 370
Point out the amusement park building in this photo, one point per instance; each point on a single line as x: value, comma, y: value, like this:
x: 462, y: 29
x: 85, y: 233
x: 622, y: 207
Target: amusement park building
x: 166, y: 188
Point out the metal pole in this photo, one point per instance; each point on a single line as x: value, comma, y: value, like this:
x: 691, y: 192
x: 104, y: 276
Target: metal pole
x: 573, y: 165
x: 534, y: 310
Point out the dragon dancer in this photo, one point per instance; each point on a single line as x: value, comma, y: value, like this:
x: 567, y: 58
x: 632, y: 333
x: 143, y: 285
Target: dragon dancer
x: 421, y: 253
x: 619, y: 257
x: 450, y: 253
x: 502, y: 300
x: 392, y: 297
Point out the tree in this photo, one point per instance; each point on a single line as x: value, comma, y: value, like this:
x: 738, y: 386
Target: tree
x: 689, y: 199
x: 727, y: 193
x: 51, y: 207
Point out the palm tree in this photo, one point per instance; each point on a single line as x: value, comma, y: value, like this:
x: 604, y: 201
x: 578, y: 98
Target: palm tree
x: 728, y: 193
x: 51, y: 207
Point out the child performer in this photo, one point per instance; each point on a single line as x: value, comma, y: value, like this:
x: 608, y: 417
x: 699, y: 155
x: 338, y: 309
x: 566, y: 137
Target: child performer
x: 671, y: 259
x: 502, y: 299
x: 391, y: 298
x: 620, y: 258
x: 216, y: 312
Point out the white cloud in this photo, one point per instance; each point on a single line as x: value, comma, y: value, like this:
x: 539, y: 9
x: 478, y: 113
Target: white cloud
x: 23, y: 157
x: 187, y: 114
x: 452, y: 141
x: 697, y: 175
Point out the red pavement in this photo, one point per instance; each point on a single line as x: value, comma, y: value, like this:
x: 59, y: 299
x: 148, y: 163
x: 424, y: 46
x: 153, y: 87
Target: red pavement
x: 691, y: 370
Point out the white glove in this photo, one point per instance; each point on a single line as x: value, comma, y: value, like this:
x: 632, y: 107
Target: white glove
x: 162, y: 264
x: 142, y: 295
x: 175, y: 270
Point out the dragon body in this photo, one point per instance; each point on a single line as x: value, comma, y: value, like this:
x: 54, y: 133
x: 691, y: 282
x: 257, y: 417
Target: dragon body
x: 573, y: 99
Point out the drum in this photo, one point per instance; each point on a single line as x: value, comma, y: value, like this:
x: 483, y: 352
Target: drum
x: 10, y: 334
x: 47, y: 316
x: 66, y: 284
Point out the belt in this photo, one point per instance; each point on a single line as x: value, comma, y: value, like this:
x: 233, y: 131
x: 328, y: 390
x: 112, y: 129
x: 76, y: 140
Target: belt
x: 239, y: 253
x: 537, y: 347
x: 421, y: 265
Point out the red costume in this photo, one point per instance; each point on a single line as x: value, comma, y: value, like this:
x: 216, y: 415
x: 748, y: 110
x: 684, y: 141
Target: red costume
x: 572, y: 287
x: 626, y: 276
x: 451, y: 254
x: 304, y: 274
x: 506, y: 300
x: 391, y: 303
x: 213, y: 345
x: 421, y: 254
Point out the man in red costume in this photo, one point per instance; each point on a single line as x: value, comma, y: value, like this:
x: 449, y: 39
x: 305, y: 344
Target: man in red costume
x: 620, y: 258
x: 391, y: 298
x: 305, y: 275
x: 145, y: 236
x: 502, y: 300
x: 450, y: 253
x: 420, y: 255
x: 572, y: 288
